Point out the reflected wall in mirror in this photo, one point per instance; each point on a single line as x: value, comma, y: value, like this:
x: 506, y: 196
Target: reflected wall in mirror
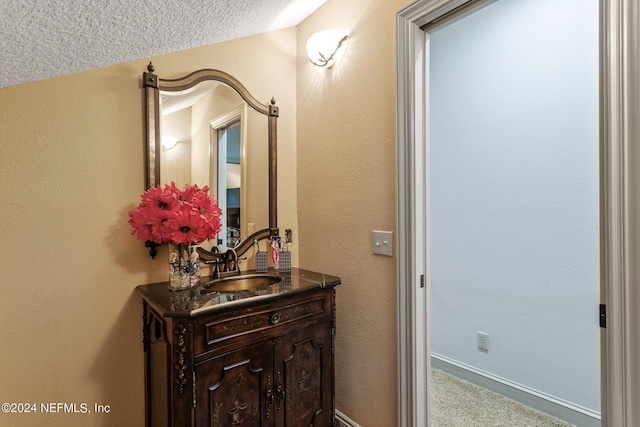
x: 208, y: 130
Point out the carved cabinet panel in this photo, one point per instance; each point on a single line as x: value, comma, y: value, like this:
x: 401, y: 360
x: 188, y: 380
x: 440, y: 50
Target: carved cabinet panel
x: 304, y: 374
x: 233, y: 389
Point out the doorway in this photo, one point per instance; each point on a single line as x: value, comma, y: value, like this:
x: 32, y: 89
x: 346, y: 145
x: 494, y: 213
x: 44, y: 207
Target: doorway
x: 512, y: 203
x: 228, y: 181
x: 619, y: 70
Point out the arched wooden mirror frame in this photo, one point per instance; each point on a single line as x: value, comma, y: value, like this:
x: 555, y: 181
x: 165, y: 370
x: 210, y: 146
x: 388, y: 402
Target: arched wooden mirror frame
x: 152, y: 86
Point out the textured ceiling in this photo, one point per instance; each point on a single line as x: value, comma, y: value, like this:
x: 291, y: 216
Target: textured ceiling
x: 47, y: 38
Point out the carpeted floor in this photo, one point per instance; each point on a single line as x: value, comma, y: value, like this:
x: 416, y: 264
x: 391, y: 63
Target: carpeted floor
x: 458, y: 403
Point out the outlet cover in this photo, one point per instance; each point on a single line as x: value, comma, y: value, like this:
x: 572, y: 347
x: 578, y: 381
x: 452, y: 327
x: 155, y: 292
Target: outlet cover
x: 483, y: 341
x: 383, y: 243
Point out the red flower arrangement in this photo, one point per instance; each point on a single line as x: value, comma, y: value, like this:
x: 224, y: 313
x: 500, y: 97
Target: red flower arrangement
x: 175, y: 216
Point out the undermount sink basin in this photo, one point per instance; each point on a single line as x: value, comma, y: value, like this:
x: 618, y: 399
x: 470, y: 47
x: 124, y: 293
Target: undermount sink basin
x: 242, y: 283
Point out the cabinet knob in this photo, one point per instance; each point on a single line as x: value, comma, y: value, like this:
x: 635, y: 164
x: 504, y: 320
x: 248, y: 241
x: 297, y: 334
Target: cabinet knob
x: 275, y: 318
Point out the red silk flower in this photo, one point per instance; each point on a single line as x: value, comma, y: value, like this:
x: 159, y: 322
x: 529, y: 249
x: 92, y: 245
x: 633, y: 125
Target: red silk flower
x: 176, y: 216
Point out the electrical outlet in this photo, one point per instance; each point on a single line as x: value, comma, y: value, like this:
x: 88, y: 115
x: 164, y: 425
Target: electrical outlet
x: 483, y: 341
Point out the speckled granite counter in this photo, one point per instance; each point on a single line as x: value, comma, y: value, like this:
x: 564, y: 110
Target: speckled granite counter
x: 192, y: 303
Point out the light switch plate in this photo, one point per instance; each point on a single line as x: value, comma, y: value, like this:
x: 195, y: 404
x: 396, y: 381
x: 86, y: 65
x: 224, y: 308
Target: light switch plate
x: 383, y: 243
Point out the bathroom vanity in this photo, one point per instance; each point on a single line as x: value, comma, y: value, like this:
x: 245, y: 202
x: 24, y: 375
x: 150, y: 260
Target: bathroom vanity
x: 251, y: 351
x: 258, y: 355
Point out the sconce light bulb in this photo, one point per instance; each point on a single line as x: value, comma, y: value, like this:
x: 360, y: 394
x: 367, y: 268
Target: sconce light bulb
x: 326, y: 48
x: 168, y: 143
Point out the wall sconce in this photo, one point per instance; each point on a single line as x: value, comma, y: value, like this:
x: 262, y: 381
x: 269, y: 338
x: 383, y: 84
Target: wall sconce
x: 168, y: 143
x: 326, y: 47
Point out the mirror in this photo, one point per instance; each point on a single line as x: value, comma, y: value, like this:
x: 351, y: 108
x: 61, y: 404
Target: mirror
x: 204, y: 132
x: 207, y: 129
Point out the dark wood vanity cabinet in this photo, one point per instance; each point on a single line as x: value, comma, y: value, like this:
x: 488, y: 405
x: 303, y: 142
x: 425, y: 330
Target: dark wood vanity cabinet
x: 265, y: 362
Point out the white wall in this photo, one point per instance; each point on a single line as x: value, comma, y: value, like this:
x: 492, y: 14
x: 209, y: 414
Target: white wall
x: 514, y: 194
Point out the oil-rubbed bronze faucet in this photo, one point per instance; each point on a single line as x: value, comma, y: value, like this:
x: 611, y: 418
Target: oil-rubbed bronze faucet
x: 225, y: 264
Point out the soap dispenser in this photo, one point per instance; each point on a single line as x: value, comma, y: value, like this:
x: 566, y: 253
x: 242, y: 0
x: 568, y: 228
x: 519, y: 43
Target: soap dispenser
x: 285, y: 254
x: 261, y: 259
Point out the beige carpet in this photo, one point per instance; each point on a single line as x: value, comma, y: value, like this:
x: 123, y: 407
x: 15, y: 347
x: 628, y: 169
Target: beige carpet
x: 458, y: 403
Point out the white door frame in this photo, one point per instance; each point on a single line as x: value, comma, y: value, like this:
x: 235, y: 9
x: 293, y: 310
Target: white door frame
x: 619, y: 210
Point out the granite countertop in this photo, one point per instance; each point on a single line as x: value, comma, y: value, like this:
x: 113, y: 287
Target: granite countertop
x: 191, y: 303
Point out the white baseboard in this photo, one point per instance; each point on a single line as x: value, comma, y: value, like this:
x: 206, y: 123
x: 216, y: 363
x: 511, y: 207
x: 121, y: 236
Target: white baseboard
x: 574, y: 414
x: 344, y: 421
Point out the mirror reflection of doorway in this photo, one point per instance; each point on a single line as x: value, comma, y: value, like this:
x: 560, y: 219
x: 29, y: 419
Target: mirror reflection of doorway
x: 229, y: 183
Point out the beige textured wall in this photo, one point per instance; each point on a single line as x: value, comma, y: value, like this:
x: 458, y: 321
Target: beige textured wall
x: 71, y: 167
x: 346, y: 189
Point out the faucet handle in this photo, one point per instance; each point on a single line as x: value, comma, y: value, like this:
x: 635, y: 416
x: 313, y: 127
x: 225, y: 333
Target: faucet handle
x: 231, y: 260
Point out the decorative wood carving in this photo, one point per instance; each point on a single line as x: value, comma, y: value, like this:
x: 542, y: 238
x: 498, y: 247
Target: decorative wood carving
x: 234, y: 394
x: 269, y: 397
x: 181, y: 365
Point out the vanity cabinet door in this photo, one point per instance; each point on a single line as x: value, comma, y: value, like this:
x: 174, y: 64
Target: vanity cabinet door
x: 304, y: 377
x: 235, y: 388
